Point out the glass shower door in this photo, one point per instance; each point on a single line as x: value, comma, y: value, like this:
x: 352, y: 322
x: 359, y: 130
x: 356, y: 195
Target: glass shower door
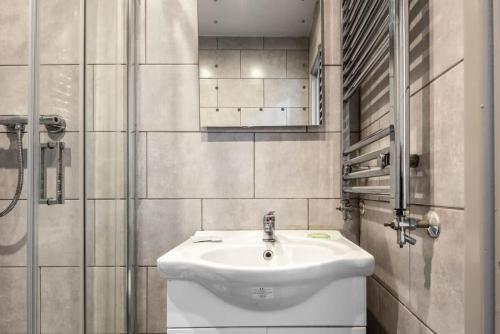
x: 63, y: 246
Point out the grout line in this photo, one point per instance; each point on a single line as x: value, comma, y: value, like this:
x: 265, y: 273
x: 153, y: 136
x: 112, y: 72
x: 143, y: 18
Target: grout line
x: 437, y: 77
x: 383, y: 286
x: 457, y: 208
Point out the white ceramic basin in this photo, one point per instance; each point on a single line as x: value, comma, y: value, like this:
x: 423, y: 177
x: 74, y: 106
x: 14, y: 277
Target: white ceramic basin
x: 236, y: 269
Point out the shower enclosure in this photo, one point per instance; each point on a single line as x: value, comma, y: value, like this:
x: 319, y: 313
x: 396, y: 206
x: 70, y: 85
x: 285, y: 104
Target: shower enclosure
x: 66, y: 166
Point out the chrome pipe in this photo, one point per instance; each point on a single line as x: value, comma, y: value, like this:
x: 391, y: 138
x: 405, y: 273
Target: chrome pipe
x: 378, y: 55
x: 370, y: 139
x: 363, y: 14
x: 364, y: 174
x: 367, y: 157
x: 380, y: 21
x: 357, y: 64
x: 401, y: 103
x: 369, y: 23
x: 369, y: 190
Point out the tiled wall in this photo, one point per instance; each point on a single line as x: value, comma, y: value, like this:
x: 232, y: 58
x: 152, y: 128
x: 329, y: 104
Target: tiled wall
x: 191, y: 179
x: 253, y: 81
x: 420, y: 289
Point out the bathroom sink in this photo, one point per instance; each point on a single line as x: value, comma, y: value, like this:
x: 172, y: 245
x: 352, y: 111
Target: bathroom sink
x: 244, y: 270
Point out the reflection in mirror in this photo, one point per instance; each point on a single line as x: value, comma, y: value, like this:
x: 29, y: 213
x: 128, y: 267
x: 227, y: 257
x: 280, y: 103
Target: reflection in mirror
x: 260, y: 63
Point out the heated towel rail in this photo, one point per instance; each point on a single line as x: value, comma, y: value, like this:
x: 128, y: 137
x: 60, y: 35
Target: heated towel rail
x: 371, y: 32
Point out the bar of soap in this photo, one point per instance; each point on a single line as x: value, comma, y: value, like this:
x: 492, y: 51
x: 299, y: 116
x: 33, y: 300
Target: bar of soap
x: 319, y: 236
x: 210, y: 238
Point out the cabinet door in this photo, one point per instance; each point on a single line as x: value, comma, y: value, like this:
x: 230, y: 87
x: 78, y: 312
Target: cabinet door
x: 354, y: 330
x: 217, y: 331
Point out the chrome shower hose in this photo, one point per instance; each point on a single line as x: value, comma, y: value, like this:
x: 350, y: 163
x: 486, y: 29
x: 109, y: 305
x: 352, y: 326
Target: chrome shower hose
x: 20, y: 171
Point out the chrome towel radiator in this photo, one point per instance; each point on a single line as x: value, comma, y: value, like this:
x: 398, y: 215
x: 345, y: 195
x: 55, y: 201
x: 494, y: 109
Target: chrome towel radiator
x: 373, y: 31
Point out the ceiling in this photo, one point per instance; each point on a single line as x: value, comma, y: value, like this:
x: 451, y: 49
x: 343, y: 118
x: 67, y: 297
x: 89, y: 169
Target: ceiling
x: 256, y: 18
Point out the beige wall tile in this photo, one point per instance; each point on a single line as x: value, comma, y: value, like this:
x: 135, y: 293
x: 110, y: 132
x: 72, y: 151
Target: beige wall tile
x: 59, y: 32
x: 60, y: 93
x: 243, y: 43
x: 157, y: 308
x: 396, y: 318
x: 105, y: 300
x: 263, y: 117
x: 263, y: 64
x: 219, y: 64
x: 13, y: 235
x: 60, y: 300
x: 297, y: 165
x: 286, y: 93
x: 323, y: 215
x: 297, y: 64
x: 8, y: 165
x: 14, y: 31
x: 391, y: 262
x: 373, y: 296
x: 141, y: 165
x: 141, y: 299
x: 332, y: 30
x: 222, y: 163
x: 60, y: 234
x: 289, y: 43
x: 207, y: 43
x: 163, y: 225
x: 172, y: 31
x: 110, y: 98
x: 437, y: 272
x: 13, y: 300
x: 13, y: 90
x: 89, y: 98
x: 90, y: 232
x: 106, y: 165
x: 247, y: 214
x: 168, y: 98
x: 110, y: 232
x: 220, y: 117
x: 434, y: 111
x: 241, y: 93
x: 106, y: 30
x: 141, y: 31
x: 437, y: 35
x: 297, y: 116
x: 333, y: 100
x: 208, y: 93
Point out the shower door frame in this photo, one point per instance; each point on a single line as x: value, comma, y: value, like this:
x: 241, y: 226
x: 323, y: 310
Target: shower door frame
x: 33, y: 168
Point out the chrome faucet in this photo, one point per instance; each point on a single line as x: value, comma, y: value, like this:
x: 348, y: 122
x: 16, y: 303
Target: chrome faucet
x: 269, y: 223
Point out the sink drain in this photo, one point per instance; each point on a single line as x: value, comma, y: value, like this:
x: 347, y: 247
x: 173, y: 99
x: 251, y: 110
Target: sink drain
x: 268, y: 255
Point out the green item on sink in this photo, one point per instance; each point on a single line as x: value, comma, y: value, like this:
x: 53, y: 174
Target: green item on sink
x: 319, y: 236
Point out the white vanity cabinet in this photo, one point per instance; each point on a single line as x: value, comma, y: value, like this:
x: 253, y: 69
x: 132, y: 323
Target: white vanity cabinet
x: 307, y: 286
x: 300, y: 330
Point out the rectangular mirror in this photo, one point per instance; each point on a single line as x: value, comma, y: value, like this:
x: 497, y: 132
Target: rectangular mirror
x: 260, y: 63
